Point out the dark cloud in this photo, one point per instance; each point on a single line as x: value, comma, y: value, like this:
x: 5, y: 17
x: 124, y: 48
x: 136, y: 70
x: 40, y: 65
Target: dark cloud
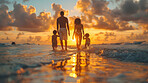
x: 99, y: 7
x: 129, y: 7
x: 5, y: 2
x: 99, y: 16
x: 25, y: 19
x: 25, y: 0
x: 5, y: 18
x: 134, y: 11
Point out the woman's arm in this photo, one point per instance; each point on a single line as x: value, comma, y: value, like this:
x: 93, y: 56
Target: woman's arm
x: 82, y: 30
x: 74, y: 32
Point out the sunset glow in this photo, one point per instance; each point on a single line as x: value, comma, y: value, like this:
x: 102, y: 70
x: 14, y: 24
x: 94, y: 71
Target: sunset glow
x: 106, y: 21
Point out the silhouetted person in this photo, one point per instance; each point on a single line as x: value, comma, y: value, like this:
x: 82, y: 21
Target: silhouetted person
x: 13, y: 43
x: 87, y: 40
x: 54, y: 40
x: 63, y: 22
x: 78, y: 32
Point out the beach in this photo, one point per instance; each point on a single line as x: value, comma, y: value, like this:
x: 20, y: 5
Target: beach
x: 99, y: 63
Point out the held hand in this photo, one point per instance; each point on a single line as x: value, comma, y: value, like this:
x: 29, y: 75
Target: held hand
x: 83, y: 37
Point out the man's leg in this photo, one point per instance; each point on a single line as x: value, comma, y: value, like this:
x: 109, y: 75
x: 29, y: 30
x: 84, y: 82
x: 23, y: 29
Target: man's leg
x: 65, y: 44
x: 62, y: 44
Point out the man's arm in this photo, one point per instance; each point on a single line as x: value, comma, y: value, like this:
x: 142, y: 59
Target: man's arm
x: 57, y: 25
x: 68, y: 27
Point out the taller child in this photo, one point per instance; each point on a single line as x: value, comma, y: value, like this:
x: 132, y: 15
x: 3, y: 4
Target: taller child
x: 63, y: 22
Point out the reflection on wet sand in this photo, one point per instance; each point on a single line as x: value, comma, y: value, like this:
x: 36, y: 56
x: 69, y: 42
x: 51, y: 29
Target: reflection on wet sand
x: 86, y: 67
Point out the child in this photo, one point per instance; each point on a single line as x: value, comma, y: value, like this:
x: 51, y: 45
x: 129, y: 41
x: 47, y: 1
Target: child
x: 87, y: 42
x: 54, y: 40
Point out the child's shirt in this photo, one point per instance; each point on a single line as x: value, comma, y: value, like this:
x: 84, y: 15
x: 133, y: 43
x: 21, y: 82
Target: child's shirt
x: 54, y: 40
x: 87, y: 41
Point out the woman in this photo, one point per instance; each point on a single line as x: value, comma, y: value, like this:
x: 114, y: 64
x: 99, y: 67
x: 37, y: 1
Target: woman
x: 78, y: 31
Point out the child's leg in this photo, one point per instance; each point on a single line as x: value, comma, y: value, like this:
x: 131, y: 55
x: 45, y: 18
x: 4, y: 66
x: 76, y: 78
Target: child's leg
x: 88, y: 45
x: 53, y: 48
x: 85, y: 45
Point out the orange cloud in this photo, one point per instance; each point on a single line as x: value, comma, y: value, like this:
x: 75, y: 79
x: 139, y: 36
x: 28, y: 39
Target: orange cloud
x: 99, y: 16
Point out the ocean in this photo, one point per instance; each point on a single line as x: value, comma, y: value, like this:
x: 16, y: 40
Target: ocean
x: 112, y: 63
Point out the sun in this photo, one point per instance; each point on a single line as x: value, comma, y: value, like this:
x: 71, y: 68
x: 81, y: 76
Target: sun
x: 74, y: 39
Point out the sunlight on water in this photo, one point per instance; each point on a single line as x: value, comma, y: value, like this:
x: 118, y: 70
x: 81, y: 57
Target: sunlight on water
x: 84, y: 67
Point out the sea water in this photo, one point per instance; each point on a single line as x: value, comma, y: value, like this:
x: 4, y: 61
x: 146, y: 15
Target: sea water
x: 101, y: 63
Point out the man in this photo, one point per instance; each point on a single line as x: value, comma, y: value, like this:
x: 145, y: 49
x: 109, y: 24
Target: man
x: 63, y: 22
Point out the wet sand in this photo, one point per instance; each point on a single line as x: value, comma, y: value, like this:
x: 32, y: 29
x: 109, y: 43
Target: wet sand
x: 84, y: 67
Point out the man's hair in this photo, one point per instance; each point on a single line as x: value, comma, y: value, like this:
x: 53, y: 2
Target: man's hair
x: 54, y: 32
x: 62, y: 13
x: 77, y: 21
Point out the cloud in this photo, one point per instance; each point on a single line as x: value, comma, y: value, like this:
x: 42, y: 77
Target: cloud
x: 38, y: 38
x: 4, y: 2
x: 145, y: 32
x: 83, y: 5
x: 97, y: 15
x: 57, y: 8
x: 135, y: 11
x: 108, y: 35
x: 6, y: 33
x: 7, y: 38
x: 26, y: 19
x: 5, y: 18
x: 140, y: 36
x: 25, y: 0
x: 19, y: 34
x: 30, y: 39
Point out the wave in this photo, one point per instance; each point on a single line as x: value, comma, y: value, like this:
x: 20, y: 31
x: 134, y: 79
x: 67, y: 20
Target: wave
x: 130, y: 53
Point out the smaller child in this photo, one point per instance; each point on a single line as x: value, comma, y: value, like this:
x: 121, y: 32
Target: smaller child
x: 54, y: 40
x: 87, y: 42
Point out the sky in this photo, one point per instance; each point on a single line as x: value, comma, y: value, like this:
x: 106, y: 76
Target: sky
x: 107, y: 21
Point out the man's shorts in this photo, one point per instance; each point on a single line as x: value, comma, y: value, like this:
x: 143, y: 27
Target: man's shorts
x: 63, y: 33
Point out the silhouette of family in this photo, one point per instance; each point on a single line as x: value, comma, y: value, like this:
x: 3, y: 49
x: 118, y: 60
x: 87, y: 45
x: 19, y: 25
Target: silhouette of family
x: 63, y: 28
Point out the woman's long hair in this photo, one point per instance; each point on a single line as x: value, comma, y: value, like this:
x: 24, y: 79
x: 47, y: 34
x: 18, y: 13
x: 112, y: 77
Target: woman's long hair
x: 77, y: 21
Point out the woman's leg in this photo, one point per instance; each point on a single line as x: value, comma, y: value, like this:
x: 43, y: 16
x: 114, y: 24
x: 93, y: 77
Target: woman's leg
x: 80, y: 38
x: 76, y: 40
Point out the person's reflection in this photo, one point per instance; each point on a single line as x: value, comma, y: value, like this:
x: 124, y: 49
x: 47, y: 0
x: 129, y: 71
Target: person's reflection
x: 82, y: 62
x: 60, y: 65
